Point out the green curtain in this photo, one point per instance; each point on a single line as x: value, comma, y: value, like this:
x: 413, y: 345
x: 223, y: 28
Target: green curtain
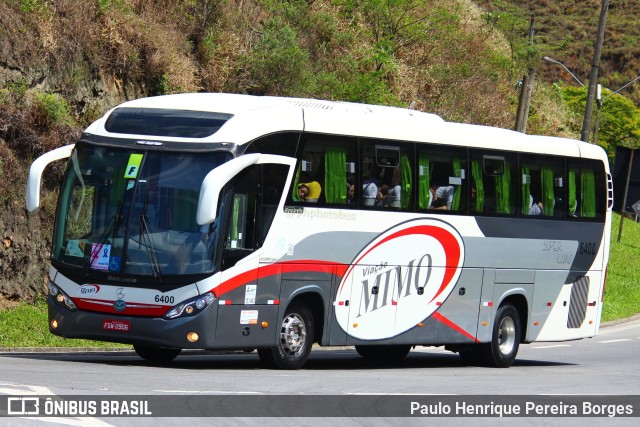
x: 423, y: 181
x: 335, y: 175
x: 457, y: 172
x: 234, y: 233
x: 476, y: 172
x: 588, y: 196
x: 296, y: 181
x: 407, y: 181
x: 503, y: 191
x: 526, y: 190
x: 548, y: 200
x: 573, y: 201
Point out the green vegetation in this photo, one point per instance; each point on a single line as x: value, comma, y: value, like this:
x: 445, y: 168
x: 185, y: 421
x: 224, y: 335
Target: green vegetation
x: 25, y: 325
x: 67, y: 62
x: 622, y: 294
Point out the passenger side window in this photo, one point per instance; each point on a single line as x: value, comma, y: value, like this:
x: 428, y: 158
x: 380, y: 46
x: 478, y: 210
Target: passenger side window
x: 585, y: 189
x: 387, y: 175
x: 542, y: 186
x: 325, y: 173
x: 493, y: 183
x: 442, y: 179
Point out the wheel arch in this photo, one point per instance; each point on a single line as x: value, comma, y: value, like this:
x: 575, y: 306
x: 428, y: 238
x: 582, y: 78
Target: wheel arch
x: 314, y: 301
x: 519, y: 301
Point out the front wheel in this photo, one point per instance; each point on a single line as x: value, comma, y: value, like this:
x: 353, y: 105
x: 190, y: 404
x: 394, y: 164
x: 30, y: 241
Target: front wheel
x: 295, y: 340
x: 505, y: 339
x: 157, y: 354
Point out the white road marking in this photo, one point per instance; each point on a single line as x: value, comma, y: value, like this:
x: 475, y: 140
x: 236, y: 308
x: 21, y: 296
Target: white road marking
x: 620, y: 340
x: 552, y: 346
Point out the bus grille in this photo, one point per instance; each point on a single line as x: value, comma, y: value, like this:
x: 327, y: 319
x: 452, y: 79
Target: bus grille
x: 578, y: 303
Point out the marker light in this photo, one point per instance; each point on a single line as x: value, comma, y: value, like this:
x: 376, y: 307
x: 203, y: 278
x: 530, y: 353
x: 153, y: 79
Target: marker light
x: 264, y: 325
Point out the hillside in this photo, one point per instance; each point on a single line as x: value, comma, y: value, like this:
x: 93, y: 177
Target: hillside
x: 566, y: 31
x: 64, y: 63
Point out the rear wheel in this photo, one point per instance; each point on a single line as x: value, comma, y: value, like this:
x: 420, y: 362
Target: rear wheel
x: 295, y: 340
x: 157, y: 354
x: 505, y: 339
x: 383, y: 353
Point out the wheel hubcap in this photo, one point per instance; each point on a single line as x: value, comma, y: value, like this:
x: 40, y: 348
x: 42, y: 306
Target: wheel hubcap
x: 293, y: 334
x: 507, y: 335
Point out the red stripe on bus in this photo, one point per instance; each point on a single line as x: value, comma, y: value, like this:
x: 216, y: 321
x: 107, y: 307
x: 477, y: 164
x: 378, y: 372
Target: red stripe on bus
x: 106, y: 306
x: 440, y: 318
x: 298, y: 266
x: 446, y: 239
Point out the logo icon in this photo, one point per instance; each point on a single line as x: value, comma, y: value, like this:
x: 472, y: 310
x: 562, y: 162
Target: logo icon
x: 119, y: 305
x: 120, y: 293
x: 23, y: 406
x: 89, y: 289
x: 399, y: 279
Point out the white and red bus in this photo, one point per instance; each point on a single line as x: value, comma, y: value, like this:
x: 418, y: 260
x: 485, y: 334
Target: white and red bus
x: 221, y: 221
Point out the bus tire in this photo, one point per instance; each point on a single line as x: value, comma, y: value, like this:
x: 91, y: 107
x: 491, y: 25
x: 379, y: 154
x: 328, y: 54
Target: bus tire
x: 294, y: 340
x: 505, y: 339
x: 383, y: 353
x: 157, y: 354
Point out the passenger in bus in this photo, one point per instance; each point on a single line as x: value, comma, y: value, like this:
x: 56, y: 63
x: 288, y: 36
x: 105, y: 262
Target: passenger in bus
x: 391, y: 196
x: 534, y: 208
x: 441, y: 197
x: 309, y: 191
x: 369, y: 192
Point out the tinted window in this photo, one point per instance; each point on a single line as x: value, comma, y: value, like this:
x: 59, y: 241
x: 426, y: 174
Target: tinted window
x: 442, y: 178
x: 325, y: 171
x: 387, y: 174
x: 493, y: 183
x: 165, y: 122
x: 542, y: 186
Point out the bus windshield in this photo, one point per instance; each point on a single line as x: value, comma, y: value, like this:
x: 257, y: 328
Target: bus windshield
x: 133, y: 212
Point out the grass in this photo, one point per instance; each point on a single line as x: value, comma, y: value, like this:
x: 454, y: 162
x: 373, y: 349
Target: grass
x: 622, y: 294
x: 25, y: 325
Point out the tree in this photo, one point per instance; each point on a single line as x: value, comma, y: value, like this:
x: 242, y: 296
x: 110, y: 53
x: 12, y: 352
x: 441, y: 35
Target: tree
x: 618, y: 119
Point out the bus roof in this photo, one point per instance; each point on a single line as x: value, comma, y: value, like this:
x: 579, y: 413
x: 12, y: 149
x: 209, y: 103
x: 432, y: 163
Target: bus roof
x: 253, y: 116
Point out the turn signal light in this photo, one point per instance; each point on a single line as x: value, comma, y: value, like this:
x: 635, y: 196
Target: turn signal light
x: 54, y: 324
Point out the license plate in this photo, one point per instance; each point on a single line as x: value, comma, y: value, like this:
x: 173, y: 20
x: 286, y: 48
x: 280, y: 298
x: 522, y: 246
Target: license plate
x: 116, y: 325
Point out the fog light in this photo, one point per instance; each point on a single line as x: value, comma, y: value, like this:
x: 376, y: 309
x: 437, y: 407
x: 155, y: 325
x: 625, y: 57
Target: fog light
x: 192, y: 337
x: 54, y: 324
x: 264, y: 325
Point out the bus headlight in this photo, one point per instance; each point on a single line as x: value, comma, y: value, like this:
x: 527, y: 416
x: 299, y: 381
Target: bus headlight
x: 61, y: 298
x: 191, y: 307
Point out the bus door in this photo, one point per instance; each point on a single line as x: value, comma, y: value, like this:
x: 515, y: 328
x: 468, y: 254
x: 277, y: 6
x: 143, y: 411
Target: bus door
x: 250, y: 289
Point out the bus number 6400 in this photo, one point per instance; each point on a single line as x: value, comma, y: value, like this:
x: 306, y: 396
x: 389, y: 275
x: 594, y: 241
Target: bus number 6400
x: 165, y: 299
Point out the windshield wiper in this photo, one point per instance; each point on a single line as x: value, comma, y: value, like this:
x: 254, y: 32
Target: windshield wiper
x: 147, y: 241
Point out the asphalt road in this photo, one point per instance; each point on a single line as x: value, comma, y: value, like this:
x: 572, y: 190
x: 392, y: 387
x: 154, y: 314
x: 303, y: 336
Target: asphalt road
x: 604, y: 365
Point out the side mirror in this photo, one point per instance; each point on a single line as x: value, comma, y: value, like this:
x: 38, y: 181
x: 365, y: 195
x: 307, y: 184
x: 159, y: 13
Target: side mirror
x: 216, y: 179
x: 35, y: 174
